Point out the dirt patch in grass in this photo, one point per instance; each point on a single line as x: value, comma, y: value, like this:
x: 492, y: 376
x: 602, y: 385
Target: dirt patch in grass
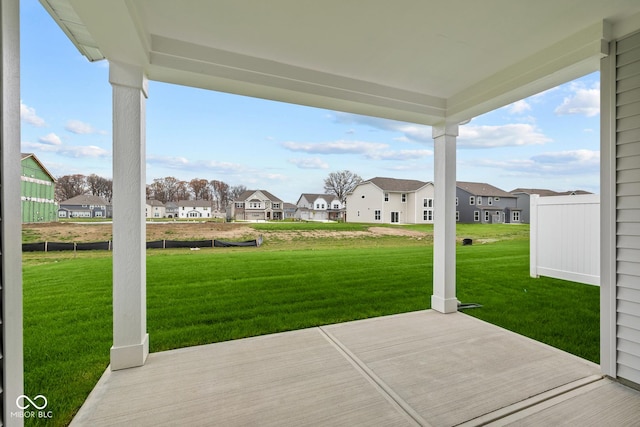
x: 82, y: 232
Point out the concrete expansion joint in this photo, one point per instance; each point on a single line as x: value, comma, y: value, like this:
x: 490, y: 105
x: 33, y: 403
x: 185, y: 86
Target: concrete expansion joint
x: 520, y: 410
x: 400, y: 404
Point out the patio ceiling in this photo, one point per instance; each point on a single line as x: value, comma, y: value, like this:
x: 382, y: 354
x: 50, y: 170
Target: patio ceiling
x: 412, y: 60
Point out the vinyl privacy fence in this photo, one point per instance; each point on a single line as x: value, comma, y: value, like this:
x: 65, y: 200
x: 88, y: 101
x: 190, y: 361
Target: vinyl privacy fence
x: 565, y: 238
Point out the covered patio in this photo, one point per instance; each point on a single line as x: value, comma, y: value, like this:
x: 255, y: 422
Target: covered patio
x: 437, y: 63
x: 419, y: 368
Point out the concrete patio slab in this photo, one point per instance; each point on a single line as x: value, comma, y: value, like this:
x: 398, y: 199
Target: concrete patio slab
x: 420, y: 368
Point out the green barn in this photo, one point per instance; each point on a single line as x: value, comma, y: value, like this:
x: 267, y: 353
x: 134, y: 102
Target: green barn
x: 37, y: 191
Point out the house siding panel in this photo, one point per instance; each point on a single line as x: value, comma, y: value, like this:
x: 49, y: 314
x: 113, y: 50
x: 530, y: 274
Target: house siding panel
x: 628, y: 208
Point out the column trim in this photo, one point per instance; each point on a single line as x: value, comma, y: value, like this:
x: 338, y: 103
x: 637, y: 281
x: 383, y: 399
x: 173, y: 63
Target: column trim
x: 444, y: 226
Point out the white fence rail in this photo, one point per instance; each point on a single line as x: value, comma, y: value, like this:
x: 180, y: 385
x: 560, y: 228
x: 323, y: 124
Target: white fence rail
x: 565, y: 238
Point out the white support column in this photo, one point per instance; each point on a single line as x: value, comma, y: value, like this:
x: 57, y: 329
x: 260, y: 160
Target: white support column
x: 130, y: 338
x: 11, y: 331
x: 444, y: 226
x: 608, y: 225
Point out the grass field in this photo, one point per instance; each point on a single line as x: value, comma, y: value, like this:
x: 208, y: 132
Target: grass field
x: 197, y: 297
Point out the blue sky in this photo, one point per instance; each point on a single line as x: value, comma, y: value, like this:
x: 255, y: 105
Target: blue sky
x: 550, y: 140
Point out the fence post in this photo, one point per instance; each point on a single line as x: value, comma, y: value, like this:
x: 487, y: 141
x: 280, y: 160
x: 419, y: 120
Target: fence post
x: 533, y: 235
x: 46, y: 246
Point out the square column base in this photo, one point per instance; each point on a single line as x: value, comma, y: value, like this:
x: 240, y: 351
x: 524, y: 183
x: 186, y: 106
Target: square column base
x: 130, y: 356
x: 448, y: 305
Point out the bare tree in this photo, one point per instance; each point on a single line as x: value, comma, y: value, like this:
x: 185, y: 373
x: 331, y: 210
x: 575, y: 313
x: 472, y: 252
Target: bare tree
x: 69, y: 186
x: 200, y: 188
x: 341, y: 183
x: 99, y: 186
x: 182, y: 191
x: 164, y: 189
x: 236, y: 190
x: 219, y: 193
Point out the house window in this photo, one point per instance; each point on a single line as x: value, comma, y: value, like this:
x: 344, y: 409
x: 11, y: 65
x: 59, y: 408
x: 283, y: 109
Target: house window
x: 487, y: 216
x: 428, y: 203
x: 336, y: 206
x: 476, y: 216
x: 515, y: 216
x: 386, y: 197
x: 490, y: 201
x: 479, y: 200
x: 404, y: 197
x: 456, y: 201
x: 472, y: 200
x: 239, y: 205
x: 457, y: 216
x: 194, y: 214
x: 358, y: 213
x: 427, y: 215
x: 395, y: 217
x: 276, y: 206
x: 317, y: 205
x: 376, y: 215
x: 98, y: 214
x: 323, y: 206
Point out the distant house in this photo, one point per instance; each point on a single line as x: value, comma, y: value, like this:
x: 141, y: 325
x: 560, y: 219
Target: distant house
x: 155, y: 209
x: 391, y: 201
x: 194, y: 209
x: 85, y: 206
x: 478, y: 202
x: 524, y: 199
x: 257, y: 205
x: 171, y: 209
x: 289, y: 210
x: 37, y: 191
x: 319, y: 207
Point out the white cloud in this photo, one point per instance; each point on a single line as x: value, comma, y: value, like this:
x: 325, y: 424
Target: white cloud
x: 81, y: 128
x: 76, y: 152
x: 369, y: 150
x: 335, y: 147
x: 28, y: 115
x: 400, y: 155
x: 519, y: 107
x: 50, y: 139
x: 510, y: 135
x: 560, y: 163
x: 582, y: 101
x: 309, y: 163
x: 412, y: 132
x: 200, y: 166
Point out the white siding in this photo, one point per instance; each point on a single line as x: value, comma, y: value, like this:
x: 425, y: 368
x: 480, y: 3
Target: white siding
x: 565, y: 237
x: 628, y: 208
x: 363, y: 202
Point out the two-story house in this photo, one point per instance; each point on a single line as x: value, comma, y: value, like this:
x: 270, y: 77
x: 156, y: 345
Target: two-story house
x: 391, y: 201
x: 85, y: 206
x: 319, y: 207
x: 478, y: 202
x: 37, y: 191
x: 257, y: 205
x: 171, y: 209
x: 194, y: 209
x: 155, y: 209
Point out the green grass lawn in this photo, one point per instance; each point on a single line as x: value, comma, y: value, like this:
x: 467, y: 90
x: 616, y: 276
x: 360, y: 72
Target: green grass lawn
x: 197, y: 297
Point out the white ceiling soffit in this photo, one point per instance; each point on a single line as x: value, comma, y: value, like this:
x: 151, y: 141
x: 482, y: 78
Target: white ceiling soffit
x: 413, y: 60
